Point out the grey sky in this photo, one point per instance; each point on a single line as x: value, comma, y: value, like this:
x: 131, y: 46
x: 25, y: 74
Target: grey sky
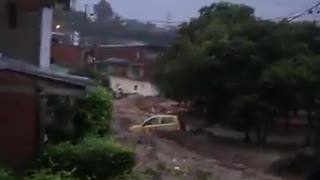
x: 182, y: 10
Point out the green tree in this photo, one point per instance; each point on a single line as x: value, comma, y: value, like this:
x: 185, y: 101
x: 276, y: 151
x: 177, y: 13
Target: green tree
x: 241, y: 70
x: 103, y: 10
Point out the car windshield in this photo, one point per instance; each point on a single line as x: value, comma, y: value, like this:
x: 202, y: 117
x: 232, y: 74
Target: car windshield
x: 151, y: 121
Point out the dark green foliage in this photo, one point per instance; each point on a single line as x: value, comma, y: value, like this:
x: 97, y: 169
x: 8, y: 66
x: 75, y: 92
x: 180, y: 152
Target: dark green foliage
x: 96, y: 110
x: 106, y: 29
x: 298, y: 163
x: 91, y: 158
x: 7, y: 175
x: 47, y: 174
x: 42, y: 174
x: 91, y: 114
x: 103, y: 10
x: 241, y: 70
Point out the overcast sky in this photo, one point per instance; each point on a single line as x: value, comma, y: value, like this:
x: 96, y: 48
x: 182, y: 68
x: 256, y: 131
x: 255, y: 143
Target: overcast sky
x: 182, y: 10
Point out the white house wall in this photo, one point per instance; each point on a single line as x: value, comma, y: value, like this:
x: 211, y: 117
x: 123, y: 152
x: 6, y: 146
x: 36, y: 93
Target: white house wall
x: 45, y: 42
x: 144, y: 88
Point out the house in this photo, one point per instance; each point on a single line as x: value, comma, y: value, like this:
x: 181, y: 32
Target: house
x: 72, y: 38
x: 136, y: 52
x: 130, y: 67
x: 26, y: 78
x: 71, y: 56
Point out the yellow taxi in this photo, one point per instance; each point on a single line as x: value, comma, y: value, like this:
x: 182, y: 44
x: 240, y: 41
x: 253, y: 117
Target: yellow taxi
x: 158, y: 122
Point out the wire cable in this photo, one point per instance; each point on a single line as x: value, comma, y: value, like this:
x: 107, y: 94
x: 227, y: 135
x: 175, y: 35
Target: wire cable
x: 290, y: 17
x: 308, y: 11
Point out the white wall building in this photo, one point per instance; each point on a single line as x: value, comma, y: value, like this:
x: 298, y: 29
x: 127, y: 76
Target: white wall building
x: 130, y: 86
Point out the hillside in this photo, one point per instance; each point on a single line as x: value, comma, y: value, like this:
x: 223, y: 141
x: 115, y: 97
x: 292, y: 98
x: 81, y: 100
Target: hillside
x: 105, y: 24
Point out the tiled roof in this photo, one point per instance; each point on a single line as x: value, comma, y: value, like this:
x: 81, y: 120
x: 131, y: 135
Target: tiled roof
x: 23, y: 67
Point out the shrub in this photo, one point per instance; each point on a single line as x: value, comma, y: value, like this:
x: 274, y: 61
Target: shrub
x: 132, y: 176
x: 298, y: 163
x: 46, y: 174
x: 6, y: 175
x: 96, y: 109
x: 93, y: 157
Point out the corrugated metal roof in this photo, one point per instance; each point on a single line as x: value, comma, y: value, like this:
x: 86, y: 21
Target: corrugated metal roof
x: 59, y: 69
x: 134, y: 44
x: 131, y: 44
x: 113, y: 60
x: 23, y: 67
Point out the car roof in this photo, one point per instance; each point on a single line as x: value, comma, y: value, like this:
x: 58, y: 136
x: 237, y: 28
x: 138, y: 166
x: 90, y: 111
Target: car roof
x: 164, y: 115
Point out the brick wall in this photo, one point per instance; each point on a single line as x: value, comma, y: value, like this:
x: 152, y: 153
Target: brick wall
x: 30, y: 5
x: 23, y: 42
x: 133, y: 54
x: 67, y: 54
x: 18, y: 115
x: 17, y: 128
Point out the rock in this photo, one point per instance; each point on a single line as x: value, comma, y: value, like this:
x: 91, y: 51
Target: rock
x: 239, y: 166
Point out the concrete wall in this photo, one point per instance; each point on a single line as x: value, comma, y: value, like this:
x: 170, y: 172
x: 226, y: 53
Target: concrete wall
x: 144, y: 88
x: 24, y: 41
x: 45, y: 38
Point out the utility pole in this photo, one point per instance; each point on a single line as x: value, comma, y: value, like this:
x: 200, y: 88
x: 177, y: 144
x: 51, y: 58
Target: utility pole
x: 168, y: 18
x: 86, y: 12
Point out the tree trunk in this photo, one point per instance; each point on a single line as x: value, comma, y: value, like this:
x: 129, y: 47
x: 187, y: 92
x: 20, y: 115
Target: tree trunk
x: 264, y: 137
x: 258, y: 131
x: 261, y: 135
x: 308, y: 140
x: 310, y: 118
x: 247, y: 137
x: 287, y: 120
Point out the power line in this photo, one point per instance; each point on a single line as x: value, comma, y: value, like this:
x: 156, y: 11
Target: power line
x: 308, y: 11
x: 160, y: 21
x: 289, y: 17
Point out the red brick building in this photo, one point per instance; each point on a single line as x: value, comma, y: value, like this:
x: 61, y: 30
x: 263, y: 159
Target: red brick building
x: 135, y: 61
x: 70, y: 55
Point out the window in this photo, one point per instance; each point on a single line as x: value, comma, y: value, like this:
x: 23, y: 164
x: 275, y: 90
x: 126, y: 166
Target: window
x: 152, y: 121
x: 135, y: 72
x: 166, y: 120
x: 111, y: 69
x: 135, y: 87
x: 151, y: 54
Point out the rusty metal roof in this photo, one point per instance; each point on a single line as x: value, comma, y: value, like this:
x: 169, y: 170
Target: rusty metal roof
x: 30, y: 69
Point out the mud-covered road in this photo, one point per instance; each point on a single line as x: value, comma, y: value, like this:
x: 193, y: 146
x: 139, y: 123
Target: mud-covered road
x: 185, y: 156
